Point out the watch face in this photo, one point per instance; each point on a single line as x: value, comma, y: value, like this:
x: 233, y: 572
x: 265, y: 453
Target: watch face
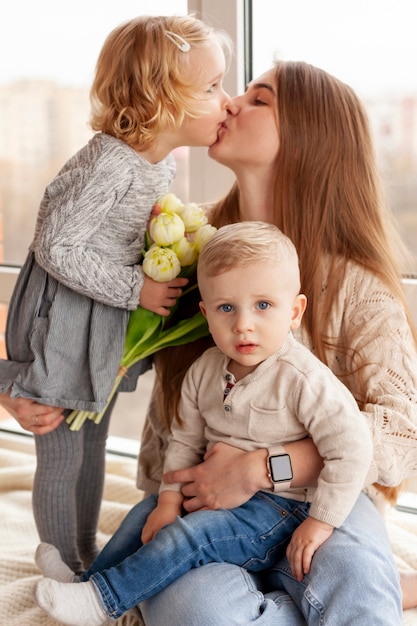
x: 281, y: 469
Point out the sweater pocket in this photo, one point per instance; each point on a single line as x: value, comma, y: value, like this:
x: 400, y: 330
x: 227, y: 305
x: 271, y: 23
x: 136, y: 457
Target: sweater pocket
x: 273, y: 425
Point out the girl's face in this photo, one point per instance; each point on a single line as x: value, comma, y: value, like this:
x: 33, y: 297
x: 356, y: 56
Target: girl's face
x: 207, y: 70
x: 249, y: 137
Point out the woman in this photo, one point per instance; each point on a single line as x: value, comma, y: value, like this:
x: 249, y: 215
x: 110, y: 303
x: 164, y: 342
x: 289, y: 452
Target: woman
x: 299, y: 145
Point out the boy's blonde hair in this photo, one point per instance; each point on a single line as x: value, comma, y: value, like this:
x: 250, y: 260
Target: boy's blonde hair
x: 243, y: 243
x: 141, y: 85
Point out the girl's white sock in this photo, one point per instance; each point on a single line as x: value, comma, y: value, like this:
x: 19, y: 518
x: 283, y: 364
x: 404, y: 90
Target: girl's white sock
x: 49, y: 561
x: 72, y: 604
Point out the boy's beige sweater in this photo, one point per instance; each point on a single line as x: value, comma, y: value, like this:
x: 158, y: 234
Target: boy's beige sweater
x: 373, y: 325
x: 289, y: 396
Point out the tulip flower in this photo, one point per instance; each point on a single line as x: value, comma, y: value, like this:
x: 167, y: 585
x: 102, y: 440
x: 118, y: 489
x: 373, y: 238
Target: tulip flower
x: 161, y: 264
x: 186, y: 251
x: 169, y: 203
x: 193, y: 217
x: 166, y: 228
x: 202, y: 236
x: 148, y: 332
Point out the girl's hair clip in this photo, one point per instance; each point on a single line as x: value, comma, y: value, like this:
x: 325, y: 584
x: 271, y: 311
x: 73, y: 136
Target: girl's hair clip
x: 179, y: 41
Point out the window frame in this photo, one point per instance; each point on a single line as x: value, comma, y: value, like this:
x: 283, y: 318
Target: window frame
x: 208, y: 180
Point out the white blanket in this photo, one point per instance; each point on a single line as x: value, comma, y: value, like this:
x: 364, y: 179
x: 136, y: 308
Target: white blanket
x: 18, y: 536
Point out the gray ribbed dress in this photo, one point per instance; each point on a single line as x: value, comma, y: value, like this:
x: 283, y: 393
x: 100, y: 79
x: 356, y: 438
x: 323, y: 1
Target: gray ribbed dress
x: 67, y: 323
x: 68, y: 314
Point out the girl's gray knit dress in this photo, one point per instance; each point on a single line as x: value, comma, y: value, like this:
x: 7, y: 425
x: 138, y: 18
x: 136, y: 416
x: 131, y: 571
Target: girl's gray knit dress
x: 68, y: 314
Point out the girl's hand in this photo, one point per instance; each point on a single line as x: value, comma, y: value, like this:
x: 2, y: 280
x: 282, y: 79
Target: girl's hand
x: 161, y: 297
x: 306, y: 539
x: 36, y: 418
x: 227, y: 478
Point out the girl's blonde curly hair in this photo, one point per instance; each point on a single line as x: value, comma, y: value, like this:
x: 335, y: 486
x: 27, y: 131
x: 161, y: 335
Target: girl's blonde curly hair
x: 141, y: 85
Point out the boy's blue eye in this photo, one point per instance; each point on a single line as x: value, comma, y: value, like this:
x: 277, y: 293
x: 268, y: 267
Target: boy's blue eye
x: 226, y: 308
x: 263, y: 305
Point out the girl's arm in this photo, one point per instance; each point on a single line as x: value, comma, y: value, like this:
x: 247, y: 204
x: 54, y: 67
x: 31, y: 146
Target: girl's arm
x: 160, y: 297
x: 91, y: 223
x: 82, y: 227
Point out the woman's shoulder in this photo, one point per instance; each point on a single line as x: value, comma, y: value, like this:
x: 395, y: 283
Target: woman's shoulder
x: 365, y: 301
x: 360, y: 285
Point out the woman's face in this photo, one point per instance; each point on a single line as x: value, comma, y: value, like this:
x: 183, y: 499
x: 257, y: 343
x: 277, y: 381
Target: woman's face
x: 249, y: 136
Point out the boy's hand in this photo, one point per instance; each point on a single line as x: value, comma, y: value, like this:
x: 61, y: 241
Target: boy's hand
x: 169, y: 506
x: 161, y: 297
x: 306, y: 539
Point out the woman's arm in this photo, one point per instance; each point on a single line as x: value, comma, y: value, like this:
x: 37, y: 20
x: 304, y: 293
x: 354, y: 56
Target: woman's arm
x: 228, y: 477
x: 380, y: 369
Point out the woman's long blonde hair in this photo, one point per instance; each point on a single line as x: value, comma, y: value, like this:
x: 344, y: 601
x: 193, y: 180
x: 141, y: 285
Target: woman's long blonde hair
x: 327, y: 199
x: 328, y: 196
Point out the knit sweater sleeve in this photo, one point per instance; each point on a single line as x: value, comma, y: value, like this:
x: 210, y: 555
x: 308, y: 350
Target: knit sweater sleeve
x: 331, y: 416
x: 187, y: 442
x: 380, y: 369
x: 91, y: 223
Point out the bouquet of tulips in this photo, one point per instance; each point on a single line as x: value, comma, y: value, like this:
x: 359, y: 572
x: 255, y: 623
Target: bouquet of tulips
x: 175, y: 238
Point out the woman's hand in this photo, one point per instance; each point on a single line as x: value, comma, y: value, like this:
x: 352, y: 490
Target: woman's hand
x: 36, y: 418
x: 227, y: 478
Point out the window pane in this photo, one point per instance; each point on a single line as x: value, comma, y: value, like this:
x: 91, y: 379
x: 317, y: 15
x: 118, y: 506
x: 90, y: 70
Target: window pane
x: 44, y: 99
x: 371, y: 45
x: 49, y: 51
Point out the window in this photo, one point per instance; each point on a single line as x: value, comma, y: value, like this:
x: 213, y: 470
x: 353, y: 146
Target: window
x: 44, y: 101
x: 44, y: 108
x: 370, y: 45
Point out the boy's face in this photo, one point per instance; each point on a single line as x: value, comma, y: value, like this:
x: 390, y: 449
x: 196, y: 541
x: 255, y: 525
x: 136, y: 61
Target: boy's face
x: 250, y: 310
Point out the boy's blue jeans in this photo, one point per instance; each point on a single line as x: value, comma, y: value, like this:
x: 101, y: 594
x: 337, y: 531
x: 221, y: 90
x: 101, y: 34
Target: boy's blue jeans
x: 353, y: 582
x: 252, y: 536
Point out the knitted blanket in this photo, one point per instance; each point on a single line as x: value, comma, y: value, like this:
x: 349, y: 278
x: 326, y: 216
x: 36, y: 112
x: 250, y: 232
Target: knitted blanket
x: 18, y: 536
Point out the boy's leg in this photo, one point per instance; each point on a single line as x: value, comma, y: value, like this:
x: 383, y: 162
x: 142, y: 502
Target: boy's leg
x: 198, y: 538
x: 126, y: 540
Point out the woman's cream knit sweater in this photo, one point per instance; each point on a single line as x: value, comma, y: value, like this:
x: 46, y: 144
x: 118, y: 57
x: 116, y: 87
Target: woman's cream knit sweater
x: 372, y: 323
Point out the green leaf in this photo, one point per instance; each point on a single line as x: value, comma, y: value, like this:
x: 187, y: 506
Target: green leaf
x: 183, y: 332
x: 142, y: 325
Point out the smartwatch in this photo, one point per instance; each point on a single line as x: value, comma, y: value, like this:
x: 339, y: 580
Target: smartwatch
x: 279, y: 468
